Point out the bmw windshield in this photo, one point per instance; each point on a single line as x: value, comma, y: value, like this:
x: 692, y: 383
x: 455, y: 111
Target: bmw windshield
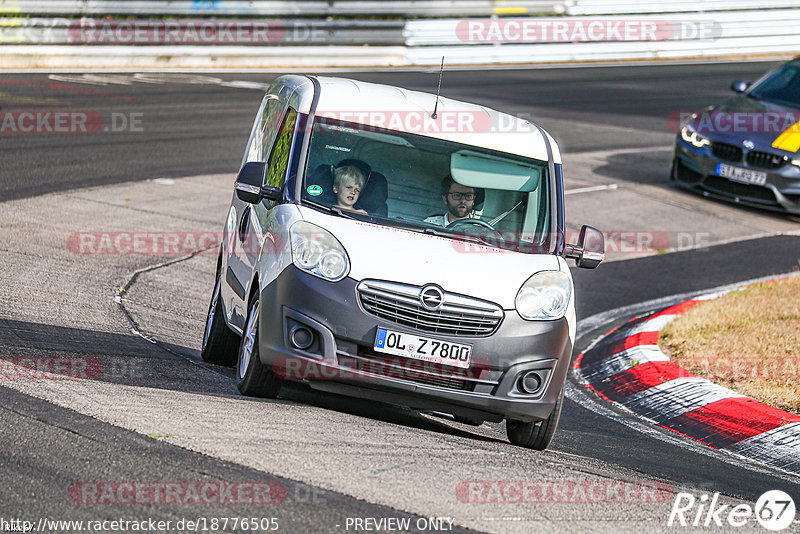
x: 781, y: 87
x: 428, y: 184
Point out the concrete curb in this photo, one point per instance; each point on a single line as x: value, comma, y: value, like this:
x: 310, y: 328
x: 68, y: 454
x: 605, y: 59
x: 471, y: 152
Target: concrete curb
x: 627, y: 367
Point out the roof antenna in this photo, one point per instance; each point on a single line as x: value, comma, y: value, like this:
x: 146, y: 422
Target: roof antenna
x: 439, y: 90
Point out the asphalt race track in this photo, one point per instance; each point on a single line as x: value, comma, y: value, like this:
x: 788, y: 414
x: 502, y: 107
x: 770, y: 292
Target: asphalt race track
x: 164, y: 158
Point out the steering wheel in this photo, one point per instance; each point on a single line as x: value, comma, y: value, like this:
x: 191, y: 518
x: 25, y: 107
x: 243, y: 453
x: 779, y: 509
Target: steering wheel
x: 477, y: 222
x: 470, y: 220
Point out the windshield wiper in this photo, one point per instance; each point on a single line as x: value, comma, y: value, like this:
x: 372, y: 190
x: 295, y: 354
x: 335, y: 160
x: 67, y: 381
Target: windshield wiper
x: 443, y: 232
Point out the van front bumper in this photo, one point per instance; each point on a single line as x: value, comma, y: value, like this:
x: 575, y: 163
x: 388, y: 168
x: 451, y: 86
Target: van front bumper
x: 341, y: 357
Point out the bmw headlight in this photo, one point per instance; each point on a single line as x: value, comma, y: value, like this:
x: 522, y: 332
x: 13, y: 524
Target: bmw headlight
x: 796, y: 162
x: 695, y: 139
x: 317, y: 252
x: 545, y: 296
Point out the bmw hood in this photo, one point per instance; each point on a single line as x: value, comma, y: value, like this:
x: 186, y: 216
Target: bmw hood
x: 756, y: 124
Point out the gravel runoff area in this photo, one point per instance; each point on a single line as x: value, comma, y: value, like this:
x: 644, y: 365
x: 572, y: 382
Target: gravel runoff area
x: 747, y: 340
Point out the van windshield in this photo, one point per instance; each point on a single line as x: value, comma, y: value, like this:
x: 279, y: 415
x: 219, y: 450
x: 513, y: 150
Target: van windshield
x: 431, y: 185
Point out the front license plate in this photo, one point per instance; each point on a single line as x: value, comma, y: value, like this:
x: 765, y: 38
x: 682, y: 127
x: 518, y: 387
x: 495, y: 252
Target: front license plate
x: 738, y: 174
x: 423, y: 348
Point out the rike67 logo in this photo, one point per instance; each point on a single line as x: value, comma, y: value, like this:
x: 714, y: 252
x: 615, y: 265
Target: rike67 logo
x: 774, y: 510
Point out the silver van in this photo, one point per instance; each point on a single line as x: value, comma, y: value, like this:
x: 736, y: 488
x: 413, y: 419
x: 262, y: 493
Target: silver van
x: 400, y: 247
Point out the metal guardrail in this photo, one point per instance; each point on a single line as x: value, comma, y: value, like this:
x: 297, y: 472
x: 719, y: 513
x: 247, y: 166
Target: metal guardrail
x: 371, y: 8
x: 201, y: 32
x: 705, y: 30
x: 621, y: 7
x: 677, y: 35
x: 595, y: 52
x: 281, y: 8
x: 285, y: 34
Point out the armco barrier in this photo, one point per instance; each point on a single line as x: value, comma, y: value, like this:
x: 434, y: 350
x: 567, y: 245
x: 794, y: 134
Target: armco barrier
x: 200, y: 32
x: 399, y: 8
x: 298, y: 36
x: 613, y: 7
x: 671, y: 36
x: 784, y: 47
x: 705, y: 29
x: 281, y: 8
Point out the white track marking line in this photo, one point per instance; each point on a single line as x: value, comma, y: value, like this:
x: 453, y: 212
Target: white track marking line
x: 591, y: 189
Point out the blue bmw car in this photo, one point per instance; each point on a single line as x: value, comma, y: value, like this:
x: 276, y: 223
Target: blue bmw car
x: 745, y: 150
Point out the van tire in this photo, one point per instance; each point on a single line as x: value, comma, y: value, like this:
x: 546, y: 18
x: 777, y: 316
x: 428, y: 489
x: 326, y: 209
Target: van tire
x: 535, y: 434
x: 253, y: 378
x: 220, y: 344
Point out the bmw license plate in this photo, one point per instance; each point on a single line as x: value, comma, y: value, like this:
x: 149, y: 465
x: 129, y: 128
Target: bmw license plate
x: 738, y: 174
x: 423, y: 348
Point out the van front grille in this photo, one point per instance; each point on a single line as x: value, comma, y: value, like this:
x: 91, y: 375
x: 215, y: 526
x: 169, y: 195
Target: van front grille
x: 401, y: 304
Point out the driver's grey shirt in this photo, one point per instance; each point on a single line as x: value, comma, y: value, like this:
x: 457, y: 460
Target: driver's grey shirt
x: 440, y: 220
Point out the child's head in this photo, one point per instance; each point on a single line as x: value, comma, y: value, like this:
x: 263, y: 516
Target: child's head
x: 348, y: 182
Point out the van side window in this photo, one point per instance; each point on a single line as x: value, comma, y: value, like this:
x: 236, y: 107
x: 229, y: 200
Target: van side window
x: 264, y: 132
x: 270, y: 122
x: 279, y: 159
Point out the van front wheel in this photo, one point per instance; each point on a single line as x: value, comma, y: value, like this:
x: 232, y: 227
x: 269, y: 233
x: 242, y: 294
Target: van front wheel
x: 536, y: 434
x: 252, y: 377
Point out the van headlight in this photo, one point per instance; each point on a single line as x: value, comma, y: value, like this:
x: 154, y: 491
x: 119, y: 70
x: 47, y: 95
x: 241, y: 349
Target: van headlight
x: 545, y: 296
x: 689, y: 135
x: 317, y: 252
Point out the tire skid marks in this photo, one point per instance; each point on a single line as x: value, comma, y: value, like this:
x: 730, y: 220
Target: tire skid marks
x: 622, y: 361
x: 675, y: 398
x: 627, y: 367
x: 776, y: 447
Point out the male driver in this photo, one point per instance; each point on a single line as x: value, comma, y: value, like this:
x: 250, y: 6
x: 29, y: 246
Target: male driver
x: 459, y: 200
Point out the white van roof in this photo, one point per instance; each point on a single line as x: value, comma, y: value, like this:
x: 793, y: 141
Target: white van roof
x: 393, y: 108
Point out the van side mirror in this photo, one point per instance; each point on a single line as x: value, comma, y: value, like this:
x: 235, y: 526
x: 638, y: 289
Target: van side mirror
x: 590, y: 250
x: 248, y: 184
x: 740, y: 86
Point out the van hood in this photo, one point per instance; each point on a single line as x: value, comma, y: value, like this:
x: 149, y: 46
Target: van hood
x: 399, y: 255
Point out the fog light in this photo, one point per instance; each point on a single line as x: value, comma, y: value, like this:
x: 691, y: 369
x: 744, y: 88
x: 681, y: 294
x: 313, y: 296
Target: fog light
x: 530, y: 382
x: 301, y: 337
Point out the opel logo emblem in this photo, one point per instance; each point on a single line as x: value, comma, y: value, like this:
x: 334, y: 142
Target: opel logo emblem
x: 749, y: 144
x: 431, y: 297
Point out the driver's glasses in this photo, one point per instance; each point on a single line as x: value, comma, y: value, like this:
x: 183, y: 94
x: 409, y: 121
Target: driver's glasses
x: 465, y: 196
